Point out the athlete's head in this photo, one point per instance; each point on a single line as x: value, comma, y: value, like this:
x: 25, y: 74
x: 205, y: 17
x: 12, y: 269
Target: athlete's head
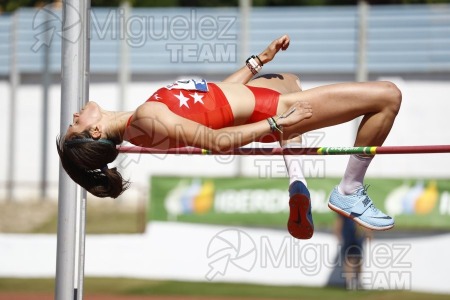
x: 86, y: 149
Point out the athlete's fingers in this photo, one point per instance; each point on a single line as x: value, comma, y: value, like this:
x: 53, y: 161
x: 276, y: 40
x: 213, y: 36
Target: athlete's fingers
x: 304, y: 103
x: 299, y: 111
x: 279, y: 43
x: 286, y: 41
x: 305, y: 109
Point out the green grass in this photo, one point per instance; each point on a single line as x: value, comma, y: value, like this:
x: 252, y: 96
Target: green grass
x: 41, y: 217
x: 122, y: 286
x: 102, y: 222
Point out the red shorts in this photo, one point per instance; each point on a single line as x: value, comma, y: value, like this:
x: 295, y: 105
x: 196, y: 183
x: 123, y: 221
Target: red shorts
x: 266, y: 103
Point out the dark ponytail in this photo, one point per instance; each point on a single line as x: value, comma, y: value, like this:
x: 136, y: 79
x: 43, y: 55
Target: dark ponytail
x: 86, y: 159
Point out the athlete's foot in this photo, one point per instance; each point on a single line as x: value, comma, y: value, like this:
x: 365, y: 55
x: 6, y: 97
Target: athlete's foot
x: 300, y: 224
x: 360, y: 208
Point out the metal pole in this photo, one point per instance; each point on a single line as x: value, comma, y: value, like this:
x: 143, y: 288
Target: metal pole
x: 124, y: 71
x: 361, y: 61
x: 73, y: 93
x: 361, y: 71
x: 81, y: 245
x: 85, y: 64
x: 244, y: 9
x: 46, y: 81
x: 14, y: 81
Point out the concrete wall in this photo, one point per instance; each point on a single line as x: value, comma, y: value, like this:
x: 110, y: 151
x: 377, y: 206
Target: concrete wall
x: 423, y: 120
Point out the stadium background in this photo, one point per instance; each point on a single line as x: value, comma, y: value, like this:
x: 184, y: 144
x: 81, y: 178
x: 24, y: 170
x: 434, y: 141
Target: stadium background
x: 408, y: 44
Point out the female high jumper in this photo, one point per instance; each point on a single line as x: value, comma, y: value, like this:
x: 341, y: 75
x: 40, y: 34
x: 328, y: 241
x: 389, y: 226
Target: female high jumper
x: 235, y: 112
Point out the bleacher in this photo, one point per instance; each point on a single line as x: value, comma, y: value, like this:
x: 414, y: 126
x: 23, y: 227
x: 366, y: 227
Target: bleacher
x: 401, y: 39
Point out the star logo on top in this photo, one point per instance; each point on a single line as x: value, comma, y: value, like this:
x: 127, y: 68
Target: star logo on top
x: 184, y: 100
x: 197, y: 98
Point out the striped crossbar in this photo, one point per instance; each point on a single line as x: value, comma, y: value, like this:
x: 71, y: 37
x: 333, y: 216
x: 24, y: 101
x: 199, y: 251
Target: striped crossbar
x: 370, y: 150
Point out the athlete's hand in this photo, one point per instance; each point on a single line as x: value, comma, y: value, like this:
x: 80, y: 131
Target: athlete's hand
x: 281, y: 43
x: 296, y: 113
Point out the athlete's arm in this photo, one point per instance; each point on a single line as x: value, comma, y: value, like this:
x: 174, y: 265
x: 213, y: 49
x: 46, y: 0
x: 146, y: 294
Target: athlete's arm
x: 243, y: 75
x: 157, y: 119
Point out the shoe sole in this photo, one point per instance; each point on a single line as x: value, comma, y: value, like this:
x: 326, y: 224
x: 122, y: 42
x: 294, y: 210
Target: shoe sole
x: 357, y: 220
x: 298, y: 224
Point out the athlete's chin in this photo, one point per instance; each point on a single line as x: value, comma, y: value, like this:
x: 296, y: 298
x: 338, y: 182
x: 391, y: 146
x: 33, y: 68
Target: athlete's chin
x: 92, y: 104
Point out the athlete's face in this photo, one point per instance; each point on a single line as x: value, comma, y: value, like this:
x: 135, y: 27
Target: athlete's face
x: 88, y: 117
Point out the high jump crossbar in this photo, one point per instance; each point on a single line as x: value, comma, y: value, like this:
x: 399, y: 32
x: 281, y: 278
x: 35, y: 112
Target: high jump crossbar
x: 372, y: 150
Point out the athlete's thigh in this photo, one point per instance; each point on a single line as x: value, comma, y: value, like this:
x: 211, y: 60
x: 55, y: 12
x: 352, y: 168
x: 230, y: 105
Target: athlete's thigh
x: 283, y: 83
x: 337, y: 103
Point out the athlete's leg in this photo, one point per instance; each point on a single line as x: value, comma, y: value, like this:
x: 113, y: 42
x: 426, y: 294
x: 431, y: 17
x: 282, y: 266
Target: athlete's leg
x: 379, y: 103
x: 300, y: 223
x: 285, y: 83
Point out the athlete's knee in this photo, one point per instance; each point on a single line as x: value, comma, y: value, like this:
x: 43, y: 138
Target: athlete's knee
x: 393, y: 96
x: 389, y: 96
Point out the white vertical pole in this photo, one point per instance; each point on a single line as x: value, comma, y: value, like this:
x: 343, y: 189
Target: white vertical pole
x: 73, y: 93
x: 124, y: 70
x: 46, y: 82
x: 14, y: 81
x: 124, y: 75
x: 85, y: 11
x: 244, y: 16
x: 85, y: 73
x: 361, y: 60
x: 361, y: 71
x: 79, y: 280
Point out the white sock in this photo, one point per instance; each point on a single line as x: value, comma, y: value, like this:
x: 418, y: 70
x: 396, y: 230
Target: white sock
x: 294, y: 165
x: 354, y: 174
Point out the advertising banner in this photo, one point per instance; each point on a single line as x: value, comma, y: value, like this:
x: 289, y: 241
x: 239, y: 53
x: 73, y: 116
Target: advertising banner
x: 415, y: 204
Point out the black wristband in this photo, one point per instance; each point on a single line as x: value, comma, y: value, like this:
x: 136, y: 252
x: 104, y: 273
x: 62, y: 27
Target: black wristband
x: 253, y: 64
x: 260, y: 61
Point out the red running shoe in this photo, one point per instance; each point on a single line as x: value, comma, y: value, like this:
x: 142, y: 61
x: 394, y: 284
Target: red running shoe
x: 300, y: 224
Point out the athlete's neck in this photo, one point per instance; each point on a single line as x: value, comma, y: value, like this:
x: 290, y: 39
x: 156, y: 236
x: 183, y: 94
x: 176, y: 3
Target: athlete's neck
x: 115, y: 122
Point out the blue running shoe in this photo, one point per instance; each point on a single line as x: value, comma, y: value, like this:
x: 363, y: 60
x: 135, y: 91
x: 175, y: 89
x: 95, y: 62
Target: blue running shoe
x: 300, y: 224
x: 360, y: 208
